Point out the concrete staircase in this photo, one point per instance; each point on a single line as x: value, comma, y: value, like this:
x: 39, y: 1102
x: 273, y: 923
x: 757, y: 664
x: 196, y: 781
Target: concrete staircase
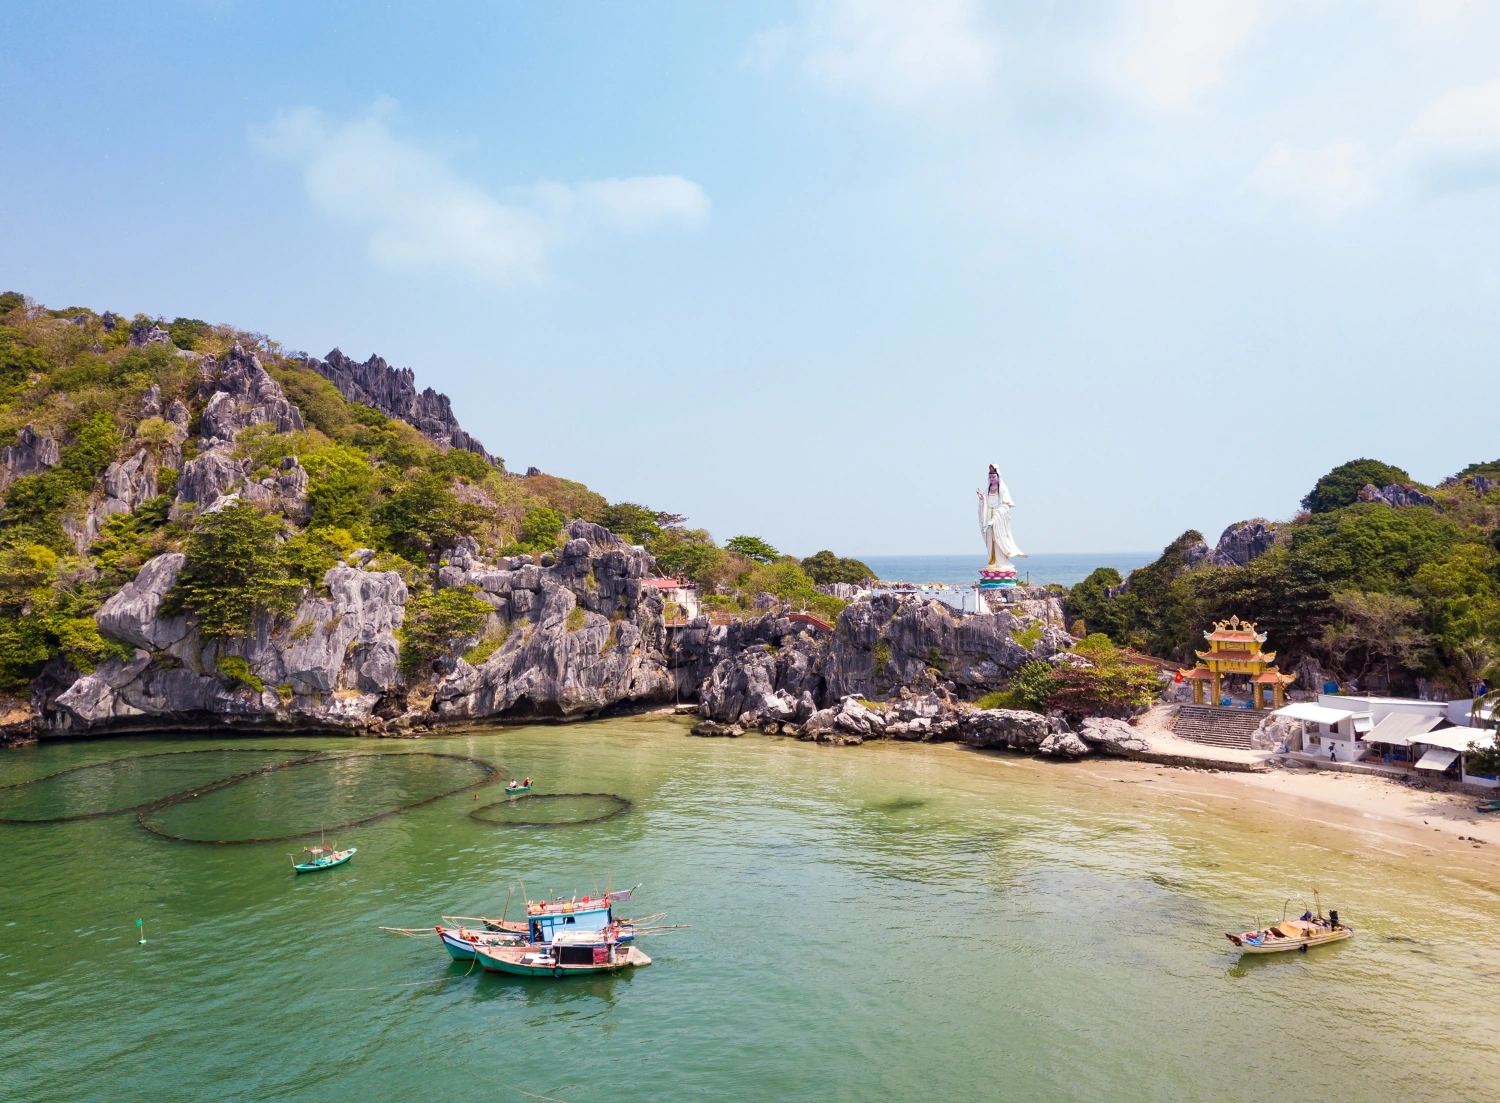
x: 1218, y: 727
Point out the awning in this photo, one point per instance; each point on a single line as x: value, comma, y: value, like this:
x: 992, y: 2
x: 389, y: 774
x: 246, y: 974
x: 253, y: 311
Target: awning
x: 1437, y: 760
x: 1401, y: 729
x: 1363, y: 723
x: 1317, y: 714
x: 1457, y: 739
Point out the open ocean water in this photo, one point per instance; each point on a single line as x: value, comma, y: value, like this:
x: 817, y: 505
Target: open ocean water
x: 1063, y: 568
x: 894, y: 922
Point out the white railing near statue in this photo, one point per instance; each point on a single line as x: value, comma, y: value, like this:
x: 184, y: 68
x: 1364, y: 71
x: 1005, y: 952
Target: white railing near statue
x: 963, y: 599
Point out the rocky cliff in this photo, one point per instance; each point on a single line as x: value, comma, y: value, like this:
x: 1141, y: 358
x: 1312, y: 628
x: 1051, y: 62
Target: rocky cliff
x: 394, y: 393
x: 333, y: 663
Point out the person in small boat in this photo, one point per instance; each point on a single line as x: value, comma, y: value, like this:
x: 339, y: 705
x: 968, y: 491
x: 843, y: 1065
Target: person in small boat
x: 526, y: 784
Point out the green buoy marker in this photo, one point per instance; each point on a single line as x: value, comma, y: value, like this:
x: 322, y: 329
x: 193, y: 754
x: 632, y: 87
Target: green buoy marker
x: 141, y: 923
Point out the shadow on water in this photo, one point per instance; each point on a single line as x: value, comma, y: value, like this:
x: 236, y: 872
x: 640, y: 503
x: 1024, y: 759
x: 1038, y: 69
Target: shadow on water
x: 594, y: 992
x: 900, y: 804
x: 1249, y: 965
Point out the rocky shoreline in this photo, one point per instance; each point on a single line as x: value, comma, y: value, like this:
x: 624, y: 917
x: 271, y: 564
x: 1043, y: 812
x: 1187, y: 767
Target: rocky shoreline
x: 569, y: 634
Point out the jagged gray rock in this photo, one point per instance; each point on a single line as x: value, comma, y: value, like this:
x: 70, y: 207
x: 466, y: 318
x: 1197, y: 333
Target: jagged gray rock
x: 1111, y: 735
x: 207, y: 478
x: 242, y: 394
x: 33, y: 453
x: 142, y: 336
x: 1396, y: 495
x: 1243, y: 542
x: 1011, y: 729
x: 553, y: 663
x: 394, y: 393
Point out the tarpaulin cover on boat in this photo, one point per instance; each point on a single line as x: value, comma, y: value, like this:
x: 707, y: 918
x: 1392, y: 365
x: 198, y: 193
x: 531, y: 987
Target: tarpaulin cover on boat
x: 1437, y: 760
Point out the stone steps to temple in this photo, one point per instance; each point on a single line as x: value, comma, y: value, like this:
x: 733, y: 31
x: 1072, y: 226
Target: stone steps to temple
x: 1217, y: 727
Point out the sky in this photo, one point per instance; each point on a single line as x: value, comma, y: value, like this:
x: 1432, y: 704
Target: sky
x: 802, y: 269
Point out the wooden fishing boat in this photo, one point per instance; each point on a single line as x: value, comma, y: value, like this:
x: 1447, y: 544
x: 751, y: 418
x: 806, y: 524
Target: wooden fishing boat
x: 1293, y: 934
x: 323, y: 857
x: 1488, y: 806
x: 461, y: 942
x: 571, y: 954
x: 513, y: 789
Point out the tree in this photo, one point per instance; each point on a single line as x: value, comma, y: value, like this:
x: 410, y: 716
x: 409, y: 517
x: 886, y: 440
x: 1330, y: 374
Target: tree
x: 434, y: 620
x: 540, y: 528
x: 1104, y: 685
x: 1341, y: 486
x: 1375, y: 629
x: 424, y: 516
x: 825, y: 568
x: 636, y: 523
x: 752, y: 547
x: 1090, y: 600
x: 233, y: 574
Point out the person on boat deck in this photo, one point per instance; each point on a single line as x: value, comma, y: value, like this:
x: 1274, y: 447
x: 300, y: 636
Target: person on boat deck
x: 526, y: 783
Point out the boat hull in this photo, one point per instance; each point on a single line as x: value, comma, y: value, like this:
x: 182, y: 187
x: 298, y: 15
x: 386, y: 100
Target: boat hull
x: 516, y: 963
x: 1282, y: 945
x: 319, y: 867
x: 462, y: 949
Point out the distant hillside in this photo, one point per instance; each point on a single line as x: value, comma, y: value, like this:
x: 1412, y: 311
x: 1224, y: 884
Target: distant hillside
x: 1379, y: 580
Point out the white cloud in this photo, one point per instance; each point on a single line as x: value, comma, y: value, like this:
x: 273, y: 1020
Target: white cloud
x: 894, y: 53
x: 1172, y: 53
x: 1329, y: 180
x: 1455, y: 143
x: 419, y: 215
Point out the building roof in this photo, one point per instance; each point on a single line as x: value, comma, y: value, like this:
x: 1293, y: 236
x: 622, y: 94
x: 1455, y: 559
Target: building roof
x: 1316, y: 714
x: 1456, y: 739
x: 1437, y: 760
x: 669, y: 583
x: 1401, y: 729
x: 1274, y: 677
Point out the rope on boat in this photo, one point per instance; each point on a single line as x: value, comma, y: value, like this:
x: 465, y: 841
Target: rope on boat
x: 410, y: 932
x: 309, y: 755
x: 622, y: 805
x: 492, y: 774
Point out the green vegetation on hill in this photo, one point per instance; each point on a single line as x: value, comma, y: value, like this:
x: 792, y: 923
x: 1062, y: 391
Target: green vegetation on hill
x: 1370, y: 591
x: 825, y: 568
x: 1341, y: 486
x: 77, y: 378
x: 1102, y: 683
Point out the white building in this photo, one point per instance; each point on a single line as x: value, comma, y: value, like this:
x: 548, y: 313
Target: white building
x: 1430, y: 736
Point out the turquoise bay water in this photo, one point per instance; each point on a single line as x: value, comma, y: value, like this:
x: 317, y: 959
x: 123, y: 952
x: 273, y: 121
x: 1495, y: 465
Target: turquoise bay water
x: 887, y: 922
x: 1063, y: 568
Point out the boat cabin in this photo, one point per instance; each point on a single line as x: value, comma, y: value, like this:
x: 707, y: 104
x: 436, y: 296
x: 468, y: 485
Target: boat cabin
x: 582, y: 948
x: 549, y: 925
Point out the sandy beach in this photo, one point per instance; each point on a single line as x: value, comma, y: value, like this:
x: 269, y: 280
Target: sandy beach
x: 1404, y: 822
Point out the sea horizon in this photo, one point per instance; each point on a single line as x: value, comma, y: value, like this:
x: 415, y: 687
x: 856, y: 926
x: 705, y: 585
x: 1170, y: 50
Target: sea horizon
x: 1042, y: 568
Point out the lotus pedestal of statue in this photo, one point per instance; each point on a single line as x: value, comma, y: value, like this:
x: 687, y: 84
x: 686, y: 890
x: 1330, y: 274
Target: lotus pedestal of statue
x: 997, y: 578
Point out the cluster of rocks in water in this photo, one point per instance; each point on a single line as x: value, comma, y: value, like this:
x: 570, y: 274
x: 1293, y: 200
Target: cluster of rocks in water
x: 935, y: 719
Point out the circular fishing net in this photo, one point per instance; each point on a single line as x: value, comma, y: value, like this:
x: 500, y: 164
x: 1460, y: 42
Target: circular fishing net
x: 298, y: 799
x: 552, y: 810
x: 129, y: 784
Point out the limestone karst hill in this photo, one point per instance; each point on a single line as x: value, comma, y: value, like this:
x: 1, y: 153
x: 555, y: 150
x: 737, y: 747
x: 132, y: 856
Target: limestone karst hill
x: 200, y: 528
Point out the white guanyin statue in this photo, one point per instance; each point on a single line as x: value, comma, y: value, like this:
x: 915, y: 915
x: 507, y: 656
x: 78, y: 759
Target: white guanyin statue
x: 994, y: 526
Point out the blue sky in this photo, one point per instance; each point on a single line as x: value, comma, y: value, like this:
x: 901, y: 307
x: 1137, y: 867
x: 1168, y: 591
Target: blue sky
x: 801, y: 269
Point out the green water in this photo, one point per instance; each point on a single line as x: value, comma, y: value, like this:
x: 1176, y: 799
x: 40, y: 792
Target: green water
x: 886, y: 922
